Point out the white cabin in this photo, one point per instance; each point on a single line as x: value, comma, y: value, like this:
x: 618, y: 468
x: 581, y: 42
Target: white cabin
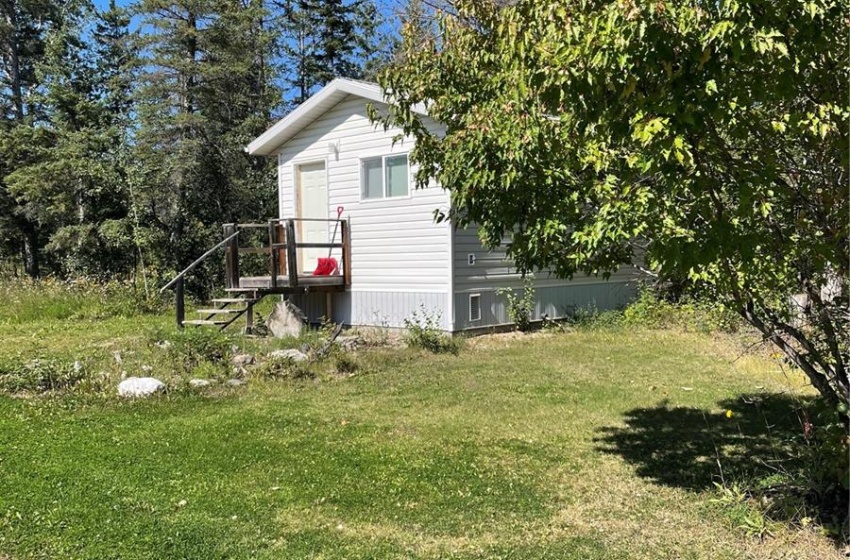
x: 332, y: 158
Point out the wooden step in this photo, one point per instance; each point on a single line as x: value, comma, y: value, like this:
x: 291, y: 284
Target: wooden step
x: 230, y: 300
x: 205, y: 322
x: 219, y: 311
x: 241, y: 290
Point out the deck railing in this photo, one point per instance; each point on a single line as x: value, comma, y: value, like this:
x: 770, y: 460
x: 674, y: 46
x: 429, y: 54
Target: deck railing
x: 283, y: 250
x: 283, y: 256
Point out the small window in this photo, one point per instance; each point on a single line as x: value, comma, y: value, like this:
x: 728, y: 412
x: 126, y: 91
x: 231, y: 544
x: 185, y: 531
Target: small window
x: 475, y: 307
x: 385, y: 177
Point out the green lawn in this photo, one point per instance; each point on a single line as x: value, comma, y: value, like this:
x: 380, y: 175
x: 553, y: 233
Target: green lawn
x: 593, y: 444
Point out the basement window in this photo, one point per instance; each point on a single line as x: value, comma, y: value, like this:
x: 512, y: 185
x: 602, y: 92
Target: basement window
x: 384, y: 177
x: 474, y: 307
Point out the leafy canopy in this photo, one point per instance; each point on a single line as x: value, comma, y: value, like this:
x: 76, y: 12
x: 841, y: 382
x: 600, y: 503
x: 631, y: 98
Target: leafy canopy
x: 706, y: 139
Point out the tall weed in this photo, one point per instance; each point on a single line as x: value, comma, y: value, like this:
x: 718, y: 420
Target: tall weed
x: 27, y: 301
x: 424, y: 331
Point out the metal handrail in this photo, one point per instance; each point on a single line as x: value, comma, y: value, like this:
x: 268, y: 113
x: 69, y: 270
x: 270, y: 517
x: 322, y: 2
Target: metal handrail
x: 198, y: 261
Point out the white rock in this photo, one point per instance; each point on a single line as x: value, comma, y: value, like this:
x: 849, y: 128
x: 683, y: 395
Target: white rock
x: 289, y: 354
x: 199, y: 383
x: 235, y: 382
x: 140, y: 387
x: 285, y: 320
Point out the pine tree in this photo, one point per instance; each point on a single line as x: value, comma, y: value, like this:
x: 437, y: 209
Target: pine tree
x: 24, y: 25
x: 326, y: 39
x: 115, y: 62
x: 205, y: 90
x: 70, y: 182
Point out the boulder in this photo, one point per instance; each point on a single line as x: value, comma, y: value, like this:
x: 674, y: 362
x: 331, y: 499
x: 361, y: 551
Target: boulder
x: 286, y: 320
x: 140, y: 387
x: 199, y: 383
x: 289, y: 354
x: 235, y: 382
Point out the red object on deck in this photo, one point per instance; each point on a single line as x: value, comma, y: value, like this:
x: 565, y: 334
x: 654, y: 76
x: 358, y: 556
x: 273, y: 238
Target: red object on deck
x: 327, y: 267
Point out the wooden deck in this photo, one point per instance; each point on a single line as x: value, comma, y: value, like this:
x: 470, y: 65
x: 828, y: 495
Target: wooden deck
x: 305, y: 281
x: 286, y: 259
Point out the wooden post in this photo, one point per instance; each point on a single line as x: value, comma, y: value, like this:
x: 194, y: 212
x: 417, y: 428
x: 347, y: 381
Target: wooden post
x: 180, y: 303
x: 231, y: 275
x: 272, y: 254
x: 249, y: 319
x: 281, y: 254
x: 346, y: 253
x: 291, y: 253
x: 329, y: 306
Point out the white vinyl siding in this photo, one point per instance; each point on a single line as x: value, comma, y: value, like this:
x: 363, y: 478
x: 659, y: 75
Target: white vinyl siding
x: 481, y: 272
x: 395, y: 244
x: 492, y: 269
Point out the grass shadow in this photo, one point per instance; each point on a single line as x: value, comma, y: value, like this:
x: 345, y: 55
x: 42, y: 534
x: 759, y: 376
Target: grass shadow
x: 692, y: 448
x: 762, y: 443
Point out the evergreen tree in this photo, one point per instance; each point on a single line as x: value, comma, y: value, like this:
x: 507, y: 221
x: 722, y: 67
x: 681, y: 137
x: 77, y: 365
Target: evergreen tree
x: 24, y: 26
x: 326, y: 39
x: 204, y: 92
x: 71, y: 181
x: 115, y: 62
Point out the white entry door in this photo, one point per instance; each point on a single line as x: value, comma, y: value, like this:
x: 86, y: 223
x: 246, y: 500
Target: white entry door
x: 312, y: 203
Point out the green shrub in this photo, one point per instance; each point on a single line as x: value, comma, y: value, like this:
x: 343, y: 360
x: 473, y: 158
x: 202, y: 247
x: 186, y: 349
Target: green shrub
x: 691, y: 313
x: 591, y: 318
x: 424, y: 331
x: 41, y: 375
x: 520, y: 306
x: 345, y: 364
x: 188, y: 348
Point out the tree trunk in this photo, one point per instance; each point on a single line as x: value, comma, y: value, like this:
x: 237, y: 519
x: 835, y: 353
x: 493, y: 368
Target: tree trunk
x: 29, y: 249
x: 14, y: 62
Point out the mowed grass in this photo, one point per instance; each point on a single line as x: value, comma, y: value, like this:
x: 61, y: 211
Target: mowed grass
x: 588, y: 445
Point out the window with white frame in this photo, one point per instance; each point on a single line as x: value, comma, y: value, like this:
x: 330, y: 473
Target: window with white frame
x: 384, y: 177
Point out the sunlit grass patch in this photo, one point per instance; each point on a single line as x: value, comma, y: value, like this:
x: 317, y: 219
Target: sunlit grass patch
x: 600, y: 443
